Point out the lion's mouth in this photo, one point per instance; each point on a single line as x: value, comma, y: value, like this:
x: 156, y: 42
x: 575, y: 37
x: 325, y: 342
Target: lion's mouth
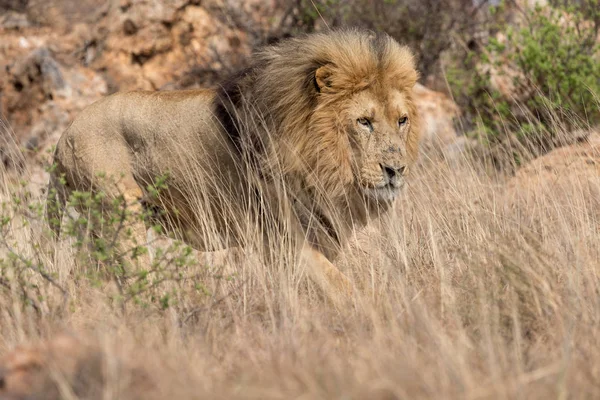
x: 387, y: 192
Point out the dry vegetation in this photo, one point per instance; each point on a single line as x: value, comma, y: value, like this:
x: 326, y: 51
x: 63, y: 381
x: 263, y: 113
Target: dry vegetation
x: 481, y: 285
x: 477, y: 288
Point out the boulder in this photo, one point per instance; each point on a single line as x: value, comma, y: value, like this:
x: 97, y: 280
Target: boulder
x: 438, y: 115
x: 560, y: 176
x: 40, y: 96
x: 66, y: 366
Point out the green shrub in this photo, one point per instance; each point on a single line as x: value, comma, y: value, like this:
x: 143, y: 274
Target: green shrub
x: 31, y: 255
x: 552, y: 61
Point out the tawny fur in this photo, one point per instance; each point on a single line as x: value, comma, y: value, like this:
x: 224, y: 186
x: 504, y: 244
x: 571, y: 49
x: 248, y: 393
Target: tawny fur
x: 284, y: 141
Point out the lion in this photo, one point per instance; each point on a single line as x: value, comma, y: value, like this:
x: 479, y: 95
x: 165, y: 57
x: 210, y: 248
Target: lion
x: 309, y: 143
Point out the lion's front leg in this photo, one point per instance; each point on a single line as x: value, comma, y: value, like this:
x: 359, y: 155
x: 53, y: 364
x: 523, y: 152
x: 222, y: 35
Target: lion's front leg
x: 329, y: 278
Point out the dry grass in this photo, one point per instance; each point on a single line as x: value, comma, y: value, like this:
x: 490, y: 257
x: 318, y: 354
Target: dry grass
x: 471, y: 291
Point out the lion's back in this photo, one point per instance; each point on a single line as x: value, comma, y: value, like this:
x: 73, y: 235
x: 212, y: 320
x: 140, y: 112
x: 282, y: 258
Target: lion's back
x: 150, y: 133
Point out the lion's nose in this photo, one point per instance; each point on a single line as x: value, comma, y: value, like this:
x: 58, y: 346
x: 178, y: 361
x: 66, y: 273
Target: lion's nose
x: 391, y: 172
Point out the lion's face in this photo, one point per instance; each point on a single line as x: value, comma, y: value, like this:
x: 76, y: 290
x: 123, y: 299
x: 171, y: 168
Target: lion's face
x: 378, y: 123
x: 347, y: 121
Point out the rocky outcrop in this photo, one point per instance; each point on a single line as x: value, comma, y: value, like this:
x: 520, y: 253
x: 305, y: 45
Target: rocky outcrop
x: 151, y: 45
x: 66, y: 365
x: 577, y: 161
x: 49, y: 72
x: 39, y: 95
x: 568, y: 174
x: 439, y: 114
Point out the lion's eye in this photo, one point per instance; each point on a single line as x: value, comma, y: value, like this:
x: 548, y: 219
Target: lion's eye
x: 366, y: 123
x: 402, y: 121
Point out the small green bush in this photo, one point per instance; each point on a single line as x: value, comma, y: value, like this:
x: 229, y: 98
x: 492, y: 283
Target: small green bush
x: 29, y: 264
x: 552, y: 60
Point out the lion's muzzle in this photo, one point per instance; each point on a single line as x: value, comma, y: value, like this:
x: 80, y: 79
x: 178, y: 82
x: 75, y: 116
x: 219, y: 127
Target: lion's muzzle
x: 390, y: 186
x: 392, y: 175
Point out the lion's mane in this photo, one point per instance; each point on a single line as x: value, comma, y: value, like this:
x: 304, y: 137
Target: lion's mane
x: 267, y: 108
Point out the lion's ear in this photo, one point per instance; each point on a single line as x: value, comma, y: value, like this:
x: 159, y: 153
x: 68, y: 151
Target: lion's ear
x: 323, y: 77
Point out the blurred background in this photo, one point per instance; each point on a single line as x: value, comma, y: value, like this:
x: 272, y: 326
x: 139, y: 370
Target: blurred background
x: 496, y: 75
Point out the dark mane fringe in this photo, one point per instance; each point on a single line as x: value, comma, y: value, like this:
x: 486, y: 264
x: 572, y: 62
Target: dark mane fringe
x: 227, y: 100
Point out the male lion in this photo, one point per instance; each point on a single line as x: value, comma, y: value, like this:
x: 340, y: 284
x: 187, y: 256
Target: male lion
x: 308, y: 143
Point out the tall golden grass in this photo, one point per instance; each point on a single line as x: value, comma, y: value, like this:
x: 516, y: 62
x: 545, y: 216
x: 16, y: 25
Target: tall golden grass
x: 474, y: 288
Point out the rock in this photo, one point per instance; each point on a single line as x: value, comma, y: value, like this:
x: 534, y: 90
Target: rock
x: 26, y: 370
x: 154, y: 45
x: 581, y: 159
x: 14, y: 20
x: 39, y: 96
x: 67, y: 364
x: 129, y: 27
x: 28, y: 84
x: 39, y: 68
x: 560, y: 175
x: 438, y: 113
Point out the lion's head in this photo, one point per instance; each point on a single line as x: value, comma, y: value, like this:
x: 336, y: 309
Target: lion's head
x: 338, y: 110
